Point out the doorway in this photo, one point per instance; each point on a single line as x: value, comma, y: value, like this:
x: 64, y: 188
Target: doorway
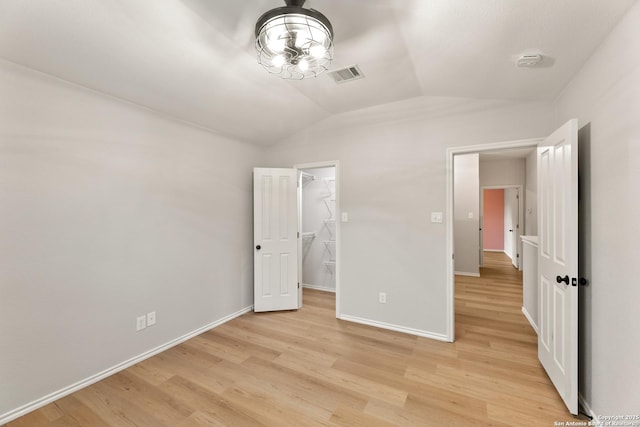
x: 451, y: 155
x: 502, y: 219
x: 319, y: 228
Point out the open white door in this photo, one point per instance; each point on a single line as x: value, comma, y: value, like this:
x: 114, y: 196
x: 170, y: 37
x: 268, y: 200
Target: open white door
x: 275, y: 228
x: 558, y: 260
x: 510, y: 202
x: 512, y: 199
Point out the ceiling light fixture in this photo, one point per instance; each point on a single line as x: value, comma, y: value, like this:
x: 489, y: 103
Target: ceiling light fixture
x: 294, y: 42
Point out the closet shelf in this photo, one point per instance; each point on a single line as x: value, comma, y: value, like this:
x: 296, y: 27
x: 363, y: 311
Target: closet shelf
x: 330, y: 209
x: 307, y: 177
x: 330, y: 266
x: 308, y: 235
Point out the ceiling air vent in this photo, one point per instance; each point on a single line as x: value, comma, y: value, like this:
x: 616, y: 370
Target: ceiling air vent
x: 346, y: 74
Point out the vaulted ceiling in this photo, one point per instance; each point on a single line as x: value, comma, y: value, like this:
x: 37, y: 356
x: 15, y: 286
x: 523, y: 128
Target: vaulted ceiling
x: 195, y: 60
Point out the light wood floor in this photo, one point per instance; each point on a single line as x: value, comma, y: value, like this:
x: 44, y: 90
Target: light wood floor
x: 306, y: 368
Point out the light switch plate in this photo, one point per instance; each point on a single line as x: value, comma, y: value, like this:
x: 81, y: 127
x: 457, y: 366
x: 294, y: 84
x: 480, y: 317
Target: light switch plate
x: 141, y: 323
x: 436, y: 217
x: 345, y: 217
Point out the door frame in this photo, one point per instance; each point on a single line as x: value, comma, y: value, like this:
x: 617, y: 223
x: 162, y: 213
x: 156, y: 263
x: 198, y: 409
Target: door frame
x: 325, y: 164
x: 449, y: 248
x: 520, y: 214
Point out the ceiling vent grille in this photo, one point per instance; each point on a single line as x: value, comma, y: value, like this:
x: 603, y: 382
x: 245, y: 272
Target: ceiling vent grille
x: 346, y: 74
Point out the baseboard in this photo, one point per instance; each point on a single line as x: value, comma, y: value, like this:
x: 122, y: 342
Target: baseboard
x: 464, y: 273
x: 587, y: 409
x: 531, y: 322
x: 319, y: 288
x: 45, y: 400
x: 382, y: 325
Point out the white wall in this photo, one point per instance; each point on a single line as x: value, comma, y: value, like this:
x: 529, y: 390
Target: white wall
x: 605, y: 96
x: 392, y: 164
x: 316, y: 197
x: 107, y: 212
x: 466, y: 203
x: 501, y: 172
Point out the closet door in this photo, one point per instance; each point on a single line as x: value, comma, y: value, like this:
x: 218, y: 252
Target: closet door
x: 275, y: 229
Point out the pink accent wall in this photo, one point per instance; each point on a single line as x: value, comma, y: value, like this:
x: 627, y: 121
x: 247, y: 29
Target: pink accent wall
x: 493, y: 229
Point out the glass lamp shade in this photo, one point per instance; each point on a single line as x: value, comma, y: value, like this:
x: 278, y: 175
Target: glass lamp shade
x: 294, y: 43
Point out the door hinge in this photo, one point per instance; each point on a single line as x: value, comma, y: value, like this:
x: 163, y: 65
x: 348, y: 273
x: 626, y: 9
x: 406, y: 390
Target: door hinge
x: 298, y: 285
x: 517, y: 255
x: 298, y: 234
x: 574, y: 281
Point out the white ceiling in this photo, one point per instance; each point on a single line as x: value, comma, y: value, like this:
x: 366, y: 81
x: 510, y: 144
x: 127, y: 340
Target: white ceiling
x: 194, y: 59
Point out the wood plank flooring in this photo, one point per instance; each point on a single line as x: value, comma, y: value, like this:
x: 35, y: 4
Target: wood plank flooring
x: 306, y: 368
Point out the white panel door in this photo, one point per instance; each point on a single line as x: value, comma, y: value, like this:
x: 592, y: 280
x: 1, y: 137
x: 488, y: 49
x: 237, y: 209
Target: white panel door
x: 558, y: 260
x: 275, y: 228
x: 509, y: 221
x: 514, y: 227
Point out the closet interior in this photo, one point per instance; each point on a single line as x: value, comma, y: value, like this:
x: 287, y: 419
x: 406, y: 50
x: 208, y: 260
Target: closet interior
x: 318, y: 224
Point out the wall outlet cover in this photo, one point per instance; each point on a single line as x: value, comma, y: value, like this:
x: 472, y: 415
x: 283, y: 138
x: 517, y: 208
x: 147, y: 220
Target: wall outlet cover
x: 436, y: 217
x: 151, y: 318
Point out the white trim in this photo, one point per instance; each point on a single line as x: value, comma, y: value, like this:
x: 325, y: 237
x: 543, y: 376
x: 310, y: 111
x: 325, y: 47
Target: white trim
x: 336, y: 165
x: 45, y: 400
x: 319, y: 288
x: 596, y: 419
x: 389, y: 326
x: 451, y: 152
x: 464, y: 273
x: 531, y: 322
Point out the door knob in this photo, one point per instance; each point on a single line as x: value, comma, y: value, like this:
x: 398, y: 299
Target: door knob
x: 510, y: 231
x: 258, y: 247
x: 564, y: 279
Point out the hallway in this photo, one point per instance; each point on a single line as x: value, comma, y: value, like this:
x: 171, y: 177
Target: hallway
x: 502, y: 345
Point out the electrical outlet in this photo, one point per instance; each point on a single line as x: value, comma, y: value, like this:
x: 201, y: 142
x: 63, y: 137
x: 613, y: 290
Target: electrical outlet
x: 141, y: 323
x: 382, y: 298
x: 151, y: 318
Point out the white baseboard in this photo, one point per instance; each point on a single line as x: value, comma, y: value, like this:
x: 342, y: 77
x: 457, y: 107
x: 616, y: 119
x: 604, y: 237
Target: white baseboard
x: 319, y: 288
x: 464, y: 273
x: 45, y: 400
x: 596, y: 420
x: 531, y: 322
x: 382, y: 325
